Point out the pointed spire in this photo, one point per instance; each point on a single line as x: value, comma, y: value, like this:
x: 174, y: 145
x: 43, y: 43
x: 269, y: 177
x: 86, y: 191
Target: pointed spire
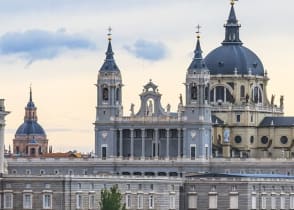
x: 198, y: 62
x: 232, y: 16
x: 232, y: 27
x: 31, y: 104
x: 31, y: 98
x: 109, y: 62
x: 198, y: 50
x: 109, y: 52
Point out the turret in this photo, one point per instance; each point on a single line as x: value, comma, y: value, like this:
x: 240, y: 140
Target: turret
x: 109, y: 104
x: 197, y: 109
x: 109, y: 87
x: 197, y: 79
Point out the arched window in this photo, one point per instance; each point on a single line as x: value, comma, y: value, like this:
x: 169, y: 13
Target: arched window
x: 194, y: 92
x: 105, y: 94
x: 251, y: 139
x: 242, y: 91
x: 206, y: 93
x: 256, y: 95
x: 117, y: 94
x: 221, y: 94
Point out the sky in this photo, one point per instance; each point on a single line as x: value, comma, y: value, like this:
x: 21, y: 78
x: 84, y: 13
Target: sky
x: 58, y: 46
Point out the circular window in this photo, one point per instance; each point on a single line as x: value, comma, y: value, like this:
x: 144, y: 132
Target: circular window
x: 251, y: 139
x: 284, y: 139
x: 264, y: 139
x: 238, y: 139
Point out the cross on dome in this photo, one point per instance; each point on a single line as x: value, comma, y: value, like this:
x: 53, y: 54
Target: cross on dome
x: 198, y: 31
x: 109, y: 33
x: 233, y: 2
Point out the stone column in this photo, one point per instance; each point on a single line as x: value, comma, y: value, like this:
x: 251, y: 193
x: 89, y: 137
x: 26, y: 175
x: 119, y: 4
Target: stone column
x: 185, y: 150
x: 167, y: 143
x: 143, y: 143
x: 179, y: 143
x: 132, y: 143
x: 3, y: 113
x: 121, y: 143
x: 156, y: 143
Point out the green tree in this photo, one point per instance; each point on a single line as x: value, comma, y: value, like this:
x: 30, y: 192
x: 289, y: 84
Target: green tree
x: 111, y: 199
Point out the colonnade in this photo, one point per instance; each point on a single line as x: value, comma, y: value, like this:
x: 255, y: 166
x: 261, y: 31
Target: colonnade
x: 163, y: 143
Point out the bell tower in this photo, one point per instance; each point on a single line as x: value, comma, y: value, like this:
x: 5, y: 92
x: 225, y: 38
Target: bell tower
x: 197, y: 109
x: 109, y: 102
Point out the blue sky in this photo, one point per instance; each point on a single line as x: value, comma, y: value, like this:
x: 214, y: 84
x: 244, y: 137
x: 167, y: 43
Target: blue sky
x: 59, y: 45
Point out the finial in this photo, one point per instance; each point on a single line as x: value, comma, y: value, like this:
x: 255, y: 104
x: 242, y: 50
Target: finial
x: 233, y: 2
x: 109, y: 33
x: 198, y: 31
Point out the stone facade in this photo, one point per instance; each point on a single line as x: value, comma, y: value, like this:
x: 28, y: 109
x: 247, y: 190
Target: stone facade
x: 227, y: 147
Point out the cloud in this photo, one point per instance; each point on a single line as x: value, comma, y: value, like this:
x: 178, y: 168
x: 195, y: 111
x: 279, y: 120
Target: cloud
x: 40, y: 44
x: 148, y: 50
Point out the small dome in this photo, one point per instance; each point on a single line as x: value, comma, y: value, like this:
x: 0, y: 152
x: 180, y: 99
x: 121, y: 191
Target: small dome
x: 30, y: 127
x: 226, y: 59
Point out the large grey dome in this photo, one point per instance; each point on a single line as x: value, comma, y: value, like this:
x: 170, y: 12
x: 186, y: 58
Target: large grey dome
x: 227, y: 59
x: 232, y: 57
x: 30, y: 127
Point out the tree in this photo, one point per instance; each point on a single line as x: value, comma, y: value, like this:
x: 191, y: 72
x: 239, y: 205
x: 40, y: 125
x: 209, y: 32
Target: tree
x: 111, y: 199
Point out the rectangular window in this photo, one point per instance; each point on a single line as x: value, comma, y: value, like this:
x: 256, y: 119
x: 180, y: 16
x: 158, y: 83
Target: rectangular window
x: 27, y: 201
x: 47, y: 201
x: 212, y: 201
x: 193, y: 152
x: 149, y: 133
x: 137, y: 133
x: 172, y: 202
x: 291, y: 201
x: 8, y: 200
x: 140, y: 201
x: 253, y: 201
x: 192, y: 202
x: 283, y: 202
x: 79, y: 201
x: 263, y: 202
x: 238, y: 118
x: 162, y: 133
x: 128, y: 201
x: 91, y: 201
x: 151, y: 202
x: 104, y: 152
x: 234, y: 201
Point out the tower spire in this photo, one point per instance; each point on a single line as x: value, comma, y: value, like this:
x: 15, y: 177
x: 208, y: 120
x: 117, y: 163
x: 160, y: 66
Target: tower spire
x: 232, y: 27
x: 30, y: 104
x: 109, y: 62
x: 198, y: 62
x: 31, y: 98
x: 109, y: 52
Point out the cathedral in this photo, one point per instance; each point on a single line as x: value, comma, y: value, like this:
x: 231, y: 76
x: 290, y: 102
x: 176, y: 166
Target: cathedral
x: 228, y: 146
